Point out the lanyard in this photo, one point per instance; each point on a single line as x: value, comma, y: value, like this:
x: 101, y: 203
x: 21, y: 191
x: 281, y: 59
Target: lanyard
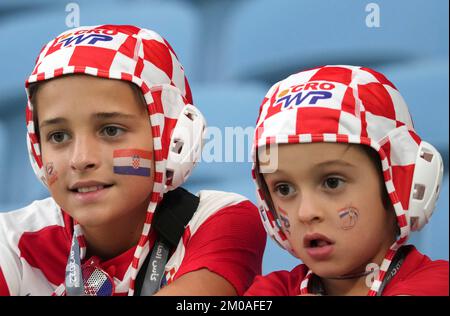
x: 316, y: 286
x: 74, y: 278
x: 394, y: 267
x: 155, y: 269
x: 89, y: 279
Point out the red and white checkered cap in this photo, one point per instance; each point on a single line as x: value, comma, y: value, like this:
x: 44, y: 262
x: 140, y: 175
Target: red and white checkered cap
x: 126, y: 53
x: 342, y: 104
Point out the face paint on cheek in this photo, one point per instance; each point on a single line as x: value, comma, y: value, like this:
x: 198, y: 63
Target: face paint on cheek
x: 51, y: 175
x: 348, y: 218
x: 284, y: 220
x: 134, y: 162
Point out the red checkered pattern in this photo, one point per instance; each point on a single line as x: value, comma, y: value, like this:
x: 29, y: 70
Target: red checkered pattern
x: 170, y: 275
x: 304, y: 283
x: 126, y: 53
x: 363, y: 108
x: 136, y: 162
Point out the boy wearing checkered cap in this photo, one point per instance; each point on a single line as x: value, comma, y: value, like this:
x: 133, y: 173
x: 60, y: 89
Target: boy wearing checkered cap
x: 111, y: 129
x: 342, y: 178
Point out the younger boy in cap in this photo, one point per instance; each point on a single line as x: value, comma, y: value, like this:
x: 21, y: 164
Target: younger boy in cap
x: 342, y: 179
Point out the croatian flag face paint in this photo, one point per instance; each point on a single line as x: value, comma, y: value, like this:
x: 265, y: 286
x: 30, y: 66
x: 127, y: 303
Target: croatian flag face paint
x: 132, y: 162
x: 348, y: 218
x: 284, y: 220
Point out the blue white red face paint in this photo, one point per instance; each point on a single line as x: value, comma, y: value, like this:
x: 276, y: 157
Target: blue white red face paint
x: 135, y: 162
x: 348, y: 217
x: 282, y: 214
x: 51, y: 175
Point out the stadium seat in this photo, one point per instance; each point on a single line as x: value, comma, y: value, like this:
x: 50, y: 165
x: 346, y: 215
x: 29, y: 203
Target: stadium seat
x: 268, y: 40
x: 15, y: 5
x: 3, y: 158
x: 19, y: 185
x: 230, y: 110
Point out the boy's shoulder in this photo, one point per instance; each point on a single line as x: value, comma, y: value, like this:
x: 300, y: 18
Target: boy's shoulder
x: 212, y: 203
x: 218, y: 199
x: 279, y: 283
x: 419, y: 275
x: 31, y: 218
x: 417, y: 263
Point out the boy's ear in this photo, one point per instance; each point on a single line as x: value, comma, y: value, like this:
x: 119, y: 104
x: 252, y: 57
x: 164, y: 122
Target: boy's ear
x: 185, y: 147
x: 426, y: 185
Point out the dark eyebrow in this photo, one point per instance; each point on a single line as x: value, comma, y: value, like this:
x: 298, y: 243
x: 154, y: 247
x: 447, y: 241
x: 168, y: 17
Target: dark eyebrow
x: 53, y: 121
x: 335, y: 162
x: 319, y: 166
x: 96, y: 116
x: 109, y: 115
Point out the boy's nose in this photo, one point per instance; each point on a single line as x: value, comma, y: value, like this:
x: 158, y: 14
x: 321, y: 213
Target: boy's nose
x: 85, y: 155
x: 309, y: 210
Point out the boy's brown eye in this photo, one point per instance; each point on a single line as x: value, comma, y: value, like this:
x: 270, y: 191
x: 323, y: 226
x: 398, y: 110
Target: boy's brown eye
x: 112, y: 131
x: 332, y: 183
x: 58, y: 137
x: 284, y: 189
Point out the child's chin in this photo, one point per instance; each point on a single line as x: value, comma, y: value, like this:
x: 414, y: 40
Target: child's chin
x: 92, y: 217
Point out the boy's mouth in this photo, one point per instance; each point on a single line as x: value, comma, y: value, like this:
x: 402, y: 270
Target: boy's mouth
x: 88, y: 186
x: 87, y: 192
x: 91, y: 189
x: 318, y: 247
x: 316, y: 240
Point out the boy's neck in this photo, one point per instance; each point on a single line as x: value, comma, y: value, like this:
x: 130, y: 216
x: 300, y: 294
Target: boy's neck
x: 349, y: 287
x: 107, y: 244
x: 110, y: 240
x: 358, y: 286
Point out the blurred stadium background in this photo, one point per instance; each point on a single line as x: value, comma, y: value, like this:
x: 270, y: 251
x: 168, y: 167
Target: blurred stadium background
x: 232, y: 51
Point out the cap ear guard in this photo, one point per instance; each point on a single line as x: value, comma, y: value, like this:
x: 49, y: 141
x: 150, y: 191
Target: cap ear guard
x: 185, y: 146
x: 426, y: 185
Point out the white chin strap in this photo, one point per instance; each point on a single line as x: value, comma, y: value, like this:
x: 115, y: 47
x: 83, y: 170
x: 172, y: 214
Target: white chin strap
x: 426, y: 185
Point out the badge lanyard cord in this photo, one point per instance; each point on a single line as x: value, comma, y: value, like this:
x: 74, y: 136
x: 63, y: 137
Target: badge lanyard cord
x: 316, y: 286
